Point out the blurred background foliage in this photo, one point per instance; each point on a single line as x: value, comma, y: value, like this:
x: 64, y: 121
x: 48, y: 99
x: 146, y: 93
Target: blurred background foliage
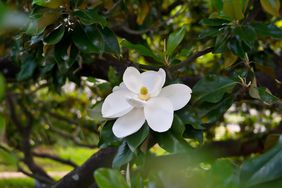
x: 60, y: 58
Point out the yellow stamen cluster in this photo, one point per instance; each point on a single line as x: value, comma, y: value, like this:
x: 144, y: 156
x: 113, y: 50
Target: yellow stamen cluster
x: 144, y: 94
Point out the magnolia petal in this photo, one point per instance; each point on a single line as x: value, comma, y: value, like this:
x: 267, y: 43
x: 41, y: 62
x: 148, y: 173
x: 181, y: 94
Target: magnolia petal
x: 178, y: 94
x: 120, y: 87
x: 116, y: 104
x: 129, y: 123
x: 136, y: 102
x: 159, y: 114
x: 154, y: 81
x: 132, y: 79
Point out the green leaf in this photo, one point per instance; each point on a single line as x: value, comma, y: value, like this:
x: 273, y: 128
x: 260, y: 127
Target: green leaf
x: 178, y: 126
x: 110, y: 40
x: 90, y: 16
x: 210, y: 112
x: 65, y: 55
x: 174, y: 39
x: 264, y: 168
x: 172, y: 143
x: 113, y: 76
x: 85, y: 42
x: 221, y: 41
x: 137, y: 138
x: 27, y: 69
x: 266, y: 96
x: 96, y: 38
x: 221, y: 174
x: 55, y: 36
x: 271, y: 6
x: 107, y: 138
x: 189, y: 117
x: 271, y: 30
x: 49, y: 3
x: 210, y: 32
x: 109, y: 178
x: 212, y: 88
x: 217, y: 4
x: 2, y: 87
x: 214, y: 22
x: 141, y: 49
x: 235, y: 46
x: 246, y: 33
x: 233, y: 9
x: 123, y: 156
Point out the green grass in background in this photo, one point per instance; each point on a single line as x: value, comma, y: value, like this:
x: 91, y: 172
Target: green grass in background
x: 17, y: 183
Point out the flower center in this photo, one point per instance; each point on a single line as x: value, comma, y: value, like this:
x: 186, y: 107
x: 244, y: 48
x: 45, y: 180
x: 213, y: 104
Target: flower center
x: 143, y: 93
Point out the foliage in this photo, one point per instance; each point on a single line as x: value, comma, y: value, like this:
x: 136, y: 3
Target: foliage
x: 59, y: 59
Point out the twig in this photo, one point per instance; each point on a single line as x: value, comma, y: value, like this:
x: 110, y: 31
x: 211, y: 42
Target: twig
x: 55, y: 158
x: 190, y: 59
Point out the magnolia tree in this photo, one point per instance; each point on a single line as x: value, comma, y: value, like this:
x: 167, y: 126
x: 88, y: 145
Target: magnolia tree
x: 183, y: 93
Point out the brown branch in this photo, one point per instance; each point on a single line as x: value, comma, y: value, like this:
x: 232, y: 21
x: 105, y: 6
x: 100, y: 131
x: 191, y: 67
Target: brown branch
x: 55, y: 158
x: 83, y: 175
x: 190, y: 59
x: 35, y: 176
x: 25, y: 131
x: 12, y: 112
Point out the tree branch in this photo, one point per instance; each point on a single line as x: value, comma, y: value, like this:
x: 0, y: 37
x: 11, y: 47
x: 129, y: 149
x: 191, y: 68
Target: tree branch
x: 83, y: 175
x: 55, y: 158
x: 190, y: 59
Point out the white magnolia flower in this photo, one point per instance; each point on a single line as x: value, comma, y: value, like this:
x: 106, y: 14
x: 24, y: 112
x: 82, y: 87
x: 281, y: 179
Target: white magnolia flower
x: 140, y: 97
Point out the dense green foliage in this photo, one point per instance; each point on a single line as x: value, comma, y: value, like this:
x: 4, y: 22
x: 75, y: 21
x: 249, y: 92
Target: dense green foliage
x: 60, y: 58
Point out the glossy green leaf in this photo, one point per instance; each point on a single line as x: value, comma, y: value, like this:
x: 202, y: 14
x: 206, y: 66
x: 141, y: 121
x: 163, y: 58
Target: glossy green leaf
x: 27, y: 69
x: 211, y: 112
x: 109, y: 178
x: 95, y: 37
x: 235, y: 46
x: 221, y: 174
x: 271, y: 6
x: 271, y: 30
x: 221, y: 42
x: 174, y: 39
x: 65, y: 55
x: 123, y: 156
x: 210, y: 32
x: 212, y: 88
x: 107, y: 137
x: 55, y: 36
x: 214, y: 22
x: 90, y: 16
x: 245, y: 33
x: 266, y: 96
x: 49, y: 3
x: 2, y: 87
x: 172, y: 143
x: 86, y: 43
x: 141, y: 49
x: 264, y: 168
x: 191, y: 133
x: 233, y: 9
x: 178, y: 126
x: 189, y: 117
x: 110, y: 40
x: 137, y: 138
